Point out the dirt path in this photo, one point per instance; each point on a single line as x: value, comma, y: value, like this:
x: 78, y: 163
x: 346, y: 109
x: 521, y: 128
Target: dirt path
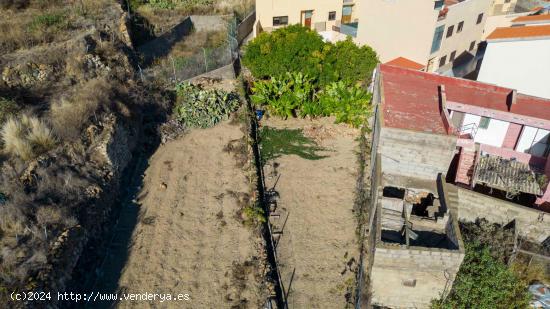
x: 189, y: 238
x: 318, y: 240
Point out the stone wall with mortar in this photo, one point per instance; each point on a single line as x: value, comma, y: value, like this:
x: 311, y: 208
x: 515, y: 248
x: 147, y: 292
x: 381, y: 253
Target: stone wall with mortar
x: 531, y: 223
x: 415, y: 154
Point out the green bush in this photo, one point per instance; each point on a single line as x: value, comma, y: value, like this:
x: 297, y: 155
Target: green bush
x: 347, y: 62
x: 290, y: 49
x: 201, y: 108
x: 349, y: 104
x: 284, y: 95
x: 484, y: 283
x: 298, y: 49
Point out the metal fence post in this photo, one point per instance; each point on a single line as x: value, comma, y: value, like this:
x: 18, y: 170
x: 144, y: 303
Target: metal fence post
x: 173, y: 67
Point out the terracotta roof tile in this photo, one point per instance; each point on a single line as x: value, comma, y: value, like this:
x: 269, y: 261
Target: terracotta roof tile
x: 520, y: 32
x: 405, y: 63
x: 532, y: 18
x: 411, y: 99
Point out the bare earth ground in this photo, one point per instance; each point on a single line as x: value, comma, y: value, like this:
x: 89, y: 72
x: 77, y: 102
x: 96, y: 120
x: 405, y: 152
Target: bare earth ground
x: 189, y: 235
x: 319, y: 239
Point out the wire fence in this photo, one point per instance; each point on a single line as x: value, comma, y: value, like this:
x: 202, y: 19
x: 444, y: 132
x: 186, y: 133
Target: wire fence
x: 204, y: 60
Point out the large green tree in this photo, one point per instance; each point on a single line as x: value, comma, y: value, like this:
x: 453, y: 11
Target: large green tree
x: 484, y: 283
x: 298, y: 49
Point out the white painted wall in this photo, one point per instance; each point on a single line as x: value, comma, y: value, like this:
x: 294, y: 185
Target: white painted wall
x: 533, y: 140
x: 522, y: 64
x: 493, y: 135
x: 397, y: 28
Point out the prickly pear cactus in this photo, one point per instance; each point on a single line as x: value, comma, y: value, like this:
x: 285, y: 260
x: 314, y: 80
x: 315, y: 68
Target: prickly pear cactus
x: 201, y: 108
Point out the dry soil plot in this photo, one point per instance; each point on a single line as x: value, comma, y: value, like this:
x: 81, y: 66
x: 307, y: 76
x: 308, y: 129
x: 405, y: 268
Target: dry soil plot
x: 318, y: 240
x: 189, y: 238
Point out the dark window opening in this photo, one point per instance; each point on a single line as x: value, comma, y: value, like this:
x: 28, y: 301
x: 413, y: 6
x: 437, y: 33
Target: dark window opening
x: 393, y: 192
x: 280, y: 20
x: 479, y: 18
x: 472, y: 45
x: 460, y: 26
x: 442, y: 61
x: 332, y: 15
x: 452, y: 57
x: 450, y: 31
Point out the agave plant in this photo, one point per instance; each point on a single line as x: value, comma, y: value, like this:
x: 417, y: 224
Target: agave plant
x: 201, y: 108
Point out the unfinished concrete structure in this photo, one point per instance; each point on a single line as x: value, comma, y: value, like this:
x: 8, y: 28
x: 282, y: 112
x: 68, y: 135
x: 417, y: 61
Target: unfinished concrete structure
x: 414, y: 241
x: 492, y: 142
x: 448, y: 149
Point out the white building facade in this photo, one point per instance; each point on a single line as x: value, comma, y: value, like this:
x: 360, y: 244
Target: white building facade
x: 520, y: 62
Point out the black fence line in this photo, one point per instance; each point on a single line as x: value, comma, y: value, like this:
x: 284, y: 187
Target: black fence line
x: 267, y: 231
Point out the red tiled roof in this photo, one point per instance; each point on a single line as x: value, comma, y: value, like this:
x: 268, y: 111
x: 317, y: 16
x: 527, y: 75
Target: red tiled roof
x: 520, y: 32
x: 405, y: 63
x: 532, y: 18
x: 411, y: 99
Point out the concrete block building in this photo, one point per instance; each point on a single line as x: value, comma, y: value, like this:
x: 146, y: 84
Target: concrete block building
x: 414, y: 239
x: 447, y: 149
x: 491, y: 143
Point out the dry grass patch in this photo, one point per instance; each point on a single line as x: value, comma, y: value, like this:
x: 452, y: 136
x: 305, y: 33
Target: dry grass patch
x: 26, y: 137
x: 31, y: 27
x: 71, y: 113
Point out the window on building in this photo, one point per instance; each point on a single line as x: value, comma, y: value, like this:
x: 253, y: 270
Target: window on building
x: 534, y: 141
x: 450, y: 31
x: 438, y: 35
x: 347, y: 11
x: 442, y: 61
x: 280, y: 20
x: 479, y: 18
x: 472, y: 45
x: 452, y: 56
x: 460, y: 26
x: 438, y: 4
x: 484, y: 122
x: 332, y: 15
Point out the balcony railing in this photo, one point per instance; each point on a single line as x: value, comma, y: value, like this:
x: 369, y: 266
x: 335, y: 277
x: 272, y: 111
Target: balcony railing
x: 470, y: 128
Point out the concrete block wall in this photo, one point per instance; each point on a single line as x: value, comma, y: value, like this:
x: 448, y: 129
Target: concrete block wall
x: 453, y: 232
x: 433, y: 269
x: 415, y: 154
x: 531, y: 223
